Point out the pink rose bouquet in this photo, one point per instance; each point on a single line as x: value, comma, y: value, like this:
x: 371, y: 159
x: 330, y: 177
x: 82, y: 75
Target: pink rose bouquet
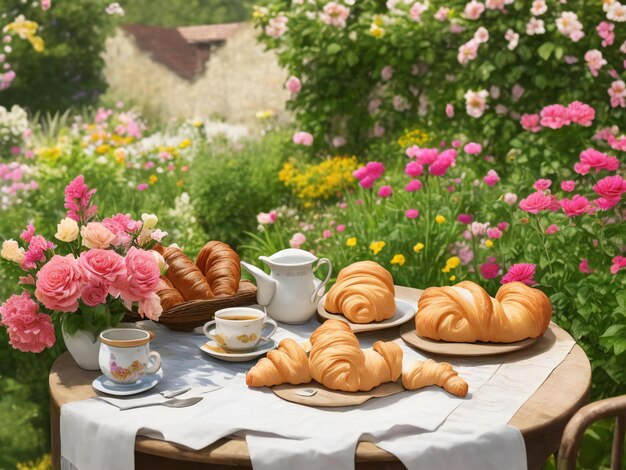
x: 100, y: 270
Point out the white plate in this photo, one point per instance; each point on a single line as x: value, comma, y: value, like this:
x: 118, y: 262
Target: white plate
x: 146, y: 382
x: 215, y: 350
x: 405, y: 311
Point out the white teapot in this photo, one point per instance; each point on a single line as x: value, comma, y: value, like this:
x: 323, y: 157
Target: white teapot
x: 290, y: 292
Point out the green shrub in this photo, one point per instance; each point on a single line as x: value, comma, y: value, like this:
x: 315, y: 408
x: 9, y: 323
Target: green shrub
x: 230, y: 187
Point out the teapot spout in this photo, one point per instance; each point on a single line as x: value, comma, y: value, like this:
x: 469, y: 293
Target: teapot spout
x: 266, y: 286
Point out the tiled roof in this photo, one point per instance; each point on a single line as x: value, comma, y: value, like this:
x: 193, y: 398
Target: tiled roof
x: 209, y: 32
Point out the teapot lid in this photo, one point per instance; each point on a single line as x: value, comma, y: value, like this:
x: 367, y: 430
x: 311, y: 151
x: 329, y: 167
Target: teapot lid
x: 290, y: 257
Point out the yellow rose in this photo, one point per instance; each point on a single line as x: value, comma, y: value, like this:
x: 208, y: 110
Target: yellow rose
x: 67, y: 230
x: 11, y: 251
x: 149, y: 220
x: 351, y: 241
x: 96, y: 235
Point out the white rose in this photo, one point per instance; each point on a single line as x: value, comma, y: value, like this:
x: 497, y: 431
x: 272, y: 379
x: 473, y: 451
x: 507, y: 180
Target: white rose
x: 67, y: 230
x: 149, y: 221
x: 11, y: 251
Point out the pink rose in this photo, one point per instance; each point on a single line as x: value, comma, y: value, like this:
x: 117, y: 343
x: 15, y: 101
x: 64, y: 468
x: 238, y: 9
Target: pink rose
x: 535, y: 203
x: 530, y: 122
x: 473, y: 148
x: 341, y: 228
x: 568, y: 186
x: 619, y: 262
x: 611, y: 187
x: 542, y: 184
x: 576, y: 206
x: 581, y: 113
x: 297, y: 240
x: 583, y: 267
x: 552, y: 229
x: 413, y: 185
x: 28, y: 329
x: 96, y: 235
x: 522, y: 272
x: 385, y: 191
x: 426, y: 156
x: 95, y: 294
x: 104, y: 267
x: 142, y: 275
x: 60, y: 283
x: 606, y: 204
x: 414, y: 169
x: 150, y: 307
x: 510, y: 198
x: 555, y: 116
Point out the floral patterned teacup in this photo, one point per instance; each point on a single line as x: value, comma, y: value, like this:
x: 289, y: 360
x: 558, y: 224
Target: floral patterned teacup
x: 125, y: 354
x: 239, y: 328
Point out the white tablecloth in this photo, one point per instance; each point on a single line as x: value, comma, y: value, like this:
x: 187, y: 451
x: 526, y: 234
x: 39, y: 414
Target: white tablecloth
x: 425, y: 429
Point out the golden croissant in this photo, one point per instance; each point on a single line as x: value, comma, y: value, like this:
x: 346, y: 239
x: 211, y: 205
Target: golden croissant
x: 363, y: 293
x: 429, y: 372
x: 219, y: 263
x: 185, y: 276
x: 338, y: 362
x: 287, y: 364
x: 466, y: 313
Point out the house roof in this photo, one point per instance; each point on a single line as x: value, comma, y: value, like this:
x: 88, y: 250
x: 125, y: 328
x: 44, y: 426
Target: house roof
x: 176, y: 48
x: 207, y: 33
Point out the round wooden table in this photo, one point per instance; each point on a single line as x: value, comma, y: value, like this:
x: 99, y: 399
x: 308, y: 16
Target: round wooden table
x: 541, y: 419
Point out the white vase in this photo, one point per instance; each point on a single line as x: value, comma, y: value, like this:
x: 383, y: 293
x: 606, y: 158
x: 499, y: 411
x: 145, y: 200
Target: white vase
x: 84, y: 348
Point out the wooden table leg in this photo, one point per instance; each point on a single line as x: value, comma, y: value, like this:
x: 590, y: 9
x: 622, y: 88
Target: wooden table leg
x: 55, y: 438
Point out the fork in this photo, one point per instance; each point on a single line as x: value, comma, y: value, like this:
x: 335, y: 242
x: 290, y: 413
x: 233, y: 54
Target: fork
x: 172, y: 403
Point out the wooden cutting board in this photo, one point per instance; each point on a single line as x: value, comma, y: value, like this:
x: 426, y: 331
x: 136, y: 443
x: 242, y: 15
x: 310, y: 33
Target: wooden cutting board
x: 325, y: 397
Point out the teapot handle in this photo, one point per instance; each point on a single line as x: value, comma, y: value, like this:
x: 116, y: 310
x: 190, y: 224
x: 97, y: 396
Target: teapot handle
x: 325, y: 281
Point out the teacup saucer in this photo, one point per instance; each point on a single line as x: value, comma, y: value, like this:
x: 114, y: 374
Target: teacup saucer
x: 215, y: 350
x: 146, y: 382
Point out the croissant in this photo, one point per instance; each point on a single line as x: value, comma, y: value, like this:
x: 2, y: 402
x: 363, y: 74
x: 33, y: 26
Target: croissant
x: 466, y: 313
x: 363, y: 293
x: 219, y: 263
x: 338, y: 362
x: 169, y: 295
x: 185, y: 276
x: 429, y: 372
x: 287, y: 364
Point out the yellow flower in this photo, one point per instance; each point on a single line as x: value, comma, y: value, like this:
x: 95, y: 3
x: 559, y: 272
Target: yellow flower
x: 11, y: 251
x: 418, y: 247
x: 180, y: 183
x: 488, y: 243
x: 37, y: 43
x: 376, y: 31
x: 453, y: 278
x: 412, y: 137
x: 451, y: 264
x: 398, y: 259
x: 440, y: 219
x: 153, y: 179
x: 67, y: 230
x: 377, y: 246
x: 120, y: 155
x: 351, y: 241
x: 267, y: 114
x: 100, y: 149
x: 378, y: 20
x: 197, y: 123
x: 184, y: 144
x: 50, y: 153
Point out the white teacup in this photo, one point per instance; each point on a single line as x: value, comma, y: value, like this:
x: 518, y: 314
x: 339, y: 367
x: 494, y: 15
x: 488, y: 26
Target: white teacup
x: 239, y: 328
x: 125, y: 354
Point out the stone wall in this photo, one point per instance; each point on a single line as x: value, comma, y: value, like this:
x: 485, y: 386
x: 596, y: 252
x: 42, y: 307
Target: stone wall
x: 239, y: 80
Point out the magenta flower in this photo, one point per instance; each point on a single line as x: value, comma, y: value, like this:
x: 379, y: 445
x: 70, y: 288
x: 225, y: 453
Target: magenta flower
x: 28, y: 234
x: 606, y: 204
x: 78, y: 200
x: 610, y: 187
x: 521, y: 272
x: 503, y: 226
x: 303, y: 138
x: 555, y: 116
x: 592, y: 158
x: 28, y: 329
x: 568, y: 186
x: 412, y: 213
x: 535, y: 203
x: 619, y: 262
x: 494, y: 233
x: 576, y: 206
x: 449, y: 110
x: 465, y: 218
x: 414, y: 169
x: 489, y: 270
x: 542, y: 184
x: 413, y: 185
x: 426, y: 156
x: 367, y: 182
x: 36, y: 252
x: 583, y: 267
x: 552, y: 229
x: 142, y: 187
x: 492, y: 178
x: 385, y: 191
x: 473, y: 148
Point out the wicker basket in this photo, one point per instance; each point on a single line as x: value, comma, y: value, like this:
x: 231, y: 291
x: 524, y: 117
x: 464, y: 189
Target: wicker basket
x: 189, y: 315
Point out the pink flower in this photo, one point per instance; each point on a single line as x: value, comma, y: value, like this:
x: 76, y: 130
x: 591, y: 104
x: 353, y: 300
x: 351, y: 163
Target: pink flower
x: 28, y: 234
x: 96, y: 235
x: 576, y: 206
x: 581, y: 113
x: 503, y: 226
x: 595, y: 61
x: 494, y: 233
x: 473, y: 10
x: 367, y: 182
x: 327, y: 233
x: 414, y: 169
x: 46, y: 4
x: 583, y: 267
x: 413, y: 185
x: 385, y: 191
x: 36, y: 252
x: 293, y: 84
x: 95, y: 294
x: 476, y: 102
x: 277, y: 26
x: 303, y: 138
x: 605, y: 31
x: 617, y: 94
x: 417, y: 10
x: 568, y: 186
x: 521, y: 272
x: 28, y: 329
x: 373, y: 105
x: 542, y: 184
x: 265, y: 218
x: 555, y: 116
x: 122, y: 226
x: 606, y: 204
x: 78, y: 200
x: 335, y: 14
x: 426, y: 156
x: 552, y: 229
x: 339, y: 141
x: 510, y: 198
x: 592, y: 158
x: 386, y: 73
x: 60, y: 283
x: 473, y: 148
x: 412, y: 213
x: 489, y: 270
x: 619, y: 262
x: 492, y: 178
x: 610, y: 187
x: 104, y: 267
x: 142, y: 187
x: 341, y: 228
x: 456, y: 144
x: 535, y: 203
x: 449, y: 110
x: 297, y: 240
x: 150, y: 307
x: 142, y: 273
x: 479, y: 229
x: 468, y: 51
x: 464, y: 219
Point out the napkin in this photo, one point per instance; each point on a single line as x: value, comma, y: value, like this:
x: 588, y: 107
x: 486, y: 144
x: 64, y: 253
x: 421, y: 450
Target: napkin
x: 124, y: 403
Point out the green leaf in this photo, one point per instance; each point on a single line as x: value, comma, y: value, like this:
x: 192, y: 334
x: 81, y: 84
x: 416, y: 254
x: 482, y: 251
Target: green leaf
x: 352, y: 58
x: 333, y: 48
x: 545, y: 50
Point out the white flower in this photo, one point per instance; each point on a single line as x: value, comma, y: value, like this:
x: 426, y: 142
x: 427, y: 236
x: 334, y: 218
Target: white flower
x: 114, y: 9
x: 481, y: 35
x: 11, y: 251
x: 158, y: 235
x: 535, y: 26
x: 149, y: 221
x: 67, y: 230
x: 616, y: 12
x: 476, y: 102
x: 539, y: 8
x: 512, y: 37
x: 160, y: 262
